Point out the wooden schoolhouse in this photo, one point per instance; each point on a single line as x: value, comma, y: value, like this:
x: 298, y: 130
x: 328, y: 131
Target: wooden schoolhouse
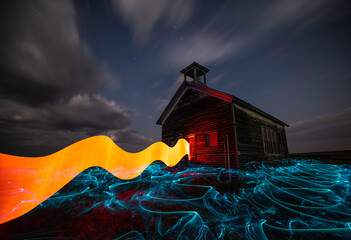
x: 222, y: 130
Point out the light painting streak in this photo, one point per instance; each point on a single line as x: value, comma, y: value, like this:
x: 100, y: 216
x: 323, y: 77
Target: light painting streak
x: 26, y: 182
x: 291, y: 200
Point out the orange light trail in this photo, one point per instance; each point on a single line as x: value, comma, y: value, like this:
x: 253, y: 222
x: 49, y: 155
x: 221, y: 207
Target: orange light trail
x: 26, y: 182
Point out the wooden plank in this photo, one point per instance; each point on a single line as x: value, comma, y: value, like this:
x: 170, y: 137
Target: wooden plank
x: 249, y: 137
x: 198, y: 113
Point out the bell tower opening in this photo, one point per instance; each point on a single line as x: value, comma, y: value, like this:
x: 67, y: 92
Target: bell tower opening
x: 196, y: 72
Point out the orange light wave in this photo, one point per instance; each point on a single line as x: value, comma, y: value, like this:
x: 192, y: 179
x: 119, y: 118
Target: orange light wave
x: 26, y: 182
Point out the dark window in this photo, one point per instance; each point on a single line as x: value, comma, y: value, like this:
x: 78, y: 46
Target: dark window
x: 272, y: 142
x: 211, y: 139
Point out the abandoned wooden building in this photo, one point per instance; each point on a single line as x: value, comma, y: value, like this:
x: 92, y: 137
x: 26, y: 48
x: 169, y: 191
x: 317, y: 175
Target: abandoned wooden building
x: 222, y: 130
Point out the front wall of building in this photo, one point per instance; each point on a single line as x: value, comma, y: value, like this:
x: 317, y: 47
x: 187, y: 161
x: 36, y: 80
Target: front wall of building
x: 196, y: 115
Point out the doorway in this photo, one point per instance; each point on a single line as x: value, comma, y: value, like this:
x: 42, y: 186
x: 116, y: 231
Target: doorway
x: 192, y: 146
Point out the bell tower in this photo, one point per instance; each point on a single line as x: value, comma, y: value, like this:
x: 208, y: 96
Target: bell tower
x: 196, y: 72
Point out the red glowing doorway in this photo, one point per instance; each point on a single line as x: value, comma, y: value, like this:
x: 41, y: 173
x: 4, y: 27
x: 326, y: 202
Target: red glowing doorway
x: 192, y: 146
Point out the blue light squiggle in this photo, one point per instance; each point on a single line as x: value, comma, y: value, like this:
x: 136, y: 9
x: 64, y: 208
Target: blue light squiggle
x: 292, y: 200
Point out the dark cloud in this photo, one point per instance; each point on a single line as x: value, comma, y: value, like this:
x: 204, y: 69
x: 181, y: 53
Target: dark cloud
x: 84, y: 111
x: 332, y: 131
x: 130, y: 140
x: 42, y: 56
x: 49, y: 83
x: 35, y: 139
x: 53, y: 126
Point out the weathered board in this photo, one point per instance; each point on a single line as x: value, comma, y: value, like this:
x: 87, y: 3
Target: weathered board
x: 250, y: 138
x: 245, y: 133
x: 197, y: 114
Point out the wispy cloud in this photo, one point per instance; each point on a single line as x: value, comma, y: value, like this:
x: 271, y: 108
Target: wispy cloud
x: 143, y: 15
x: 160, y: 103
x: 208, y: 43
x: 205, y: 47
x: 334, y: 130
x: 216, y: 78
x: 206, y: 40
x: 176, y: 84
x: 285, y: 12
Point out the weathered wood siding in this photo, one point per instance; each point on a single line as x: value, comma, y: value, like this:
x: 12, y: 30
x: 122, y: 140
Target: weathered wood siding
x: 199, y: 113
x: 249, y: 136
x: 285, y: 143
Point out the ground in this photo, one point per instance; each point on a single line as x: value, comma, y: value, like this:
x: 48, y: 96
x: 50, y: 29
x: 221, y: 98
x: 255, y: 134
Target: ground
x: 295, y: 199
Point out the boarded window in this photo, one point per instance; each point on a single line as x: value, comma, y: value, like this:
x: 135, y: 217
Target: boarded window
x: 272, y: 141
x: 211, y: 139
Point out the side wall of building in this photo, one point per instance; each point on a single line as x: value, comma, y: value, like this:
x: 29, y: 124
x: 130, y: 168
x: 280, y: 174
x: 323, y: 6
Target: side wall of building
x: 259, y: 138
x: 198, y: 114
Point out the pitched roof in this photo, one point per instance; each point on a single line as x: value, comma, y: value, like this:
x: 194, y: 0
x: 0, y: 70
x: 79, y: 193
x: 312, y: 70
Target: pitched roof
x: 224, y: 96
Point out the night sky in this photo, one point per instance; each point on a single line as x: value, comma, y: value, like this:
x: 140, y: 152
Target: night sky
x: 74, y: 69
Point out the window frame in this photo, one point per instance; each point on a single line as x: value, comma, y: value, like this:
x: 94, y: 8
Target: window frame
x: 272, y: 140
x: 207, y: 138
